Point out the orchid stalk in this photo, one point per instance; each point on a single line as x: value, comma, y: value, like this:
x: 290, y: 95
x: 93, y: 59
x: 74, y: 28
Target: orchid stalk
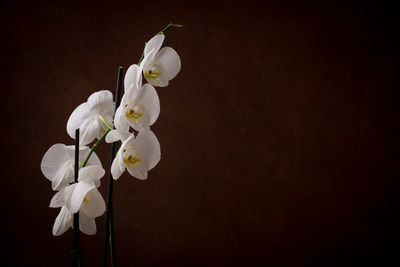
x: 77, y: 255
x: 109, y: 230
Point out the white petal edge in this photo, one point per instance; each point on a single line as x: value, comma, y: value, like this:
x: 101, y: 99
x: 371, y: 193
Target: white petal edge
x: 61, y: 198
x: 169, y: 60
x: 146, y: 58
x: 118, y: 166
x: 99, y: 101
x: 117, y: 135
x: 64, y: 177
x: 131, y: 76
x: 75, y: 201
x: 78, y: 116
x: 148, y: 148
x: 148, y: 98
x: 94, y: 205
x: 63, y: 222
x: 87, y: 225
x: 53, y: 160
x: 139, y: 171
x: 91, y: 173
x: 71, y: 150
x: 154, y: 44
x: 120, y: 120
x: 89, y: 130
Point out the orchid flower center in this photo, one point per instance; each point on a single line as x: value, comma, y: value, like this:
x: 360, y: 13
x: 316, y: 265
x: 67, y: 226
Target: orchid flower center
x: 85, y: 200
x: 131, y: 158
x: 152, y: 71
x: 133, y: 111
x: 132, y: 114
x: 150, y: 74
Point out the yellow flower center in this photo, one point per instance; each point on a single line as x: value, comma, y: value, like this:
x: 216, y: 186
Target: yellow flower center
x: 151, y: 74
x: 131, y: 160
x: 132, y: 114
x: 85, y: 200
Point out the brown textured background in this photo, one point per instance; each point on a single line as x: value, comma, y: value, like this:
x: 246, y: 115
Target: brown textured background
x: 278, y: 135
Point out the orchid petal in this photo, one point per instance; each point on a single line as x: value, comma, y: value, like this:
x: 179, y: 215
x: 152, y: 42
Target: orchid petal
x: 161, y: 79
x: 94, y: 204
x: 148, y: 149
x: 101, y: 102
x: 61, y: 197
x: 118, y: 166
x: 131, y: 93
x: 64, y: 177
x: 120, y: 120
x: 131, y: 77
x: 149, y: 108
x: 141, y: 123
x: 75, y: 201
x: 148, y: 98
x: 91, y: 173
x: 53, y: 160
x: 78, y: 116
x: 116, y: 170
x: 89, y: 130
x: 87, y: 225
x: 71, y: 150
x: 63, y: 222
x: 154, y: 44
x: 169, y: 61
x: 97, y: 183
x: 123, y: 100
x: 139, y: 171
x: 117, y: 135
x: 146, y: 58
x: 83, y: 153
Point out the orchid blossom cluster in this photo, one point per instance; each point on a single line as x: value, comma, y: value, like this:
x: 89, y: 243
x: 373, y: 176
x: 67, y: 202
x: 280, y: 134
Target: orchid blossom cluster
x: 130, y: 124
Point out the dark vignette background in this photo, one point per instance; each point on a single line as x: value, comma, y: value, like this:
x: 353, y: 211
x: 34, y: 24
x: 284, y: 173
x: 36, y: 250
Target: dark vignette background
x: 278, y: 135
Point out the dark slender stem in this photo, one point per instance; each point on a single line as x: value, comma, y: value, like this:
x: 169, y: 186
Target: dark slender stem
x: 112, y: 241
x: 76, y: 155
x: 77, y: 248
x: 109, y: 231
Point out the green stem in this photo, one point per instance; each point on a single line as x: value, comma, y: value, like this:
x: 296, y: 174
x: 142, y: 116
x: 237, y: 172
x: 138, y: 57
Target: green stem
x: 98, y: 141
x: 169, y: 26
x: 162, y: 31
x: 105, y: 122
x: 94, y: 147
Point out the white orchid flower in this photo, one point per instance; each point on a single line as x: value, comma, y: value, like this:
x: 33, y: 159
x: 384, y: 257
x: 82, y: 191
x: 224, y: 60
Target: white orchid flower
x: 159, y: 66
x: 140, y: 106
x: 91, y: 117
x: 83, y: 197
x: 137, y: 155
x: 58, y: 164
